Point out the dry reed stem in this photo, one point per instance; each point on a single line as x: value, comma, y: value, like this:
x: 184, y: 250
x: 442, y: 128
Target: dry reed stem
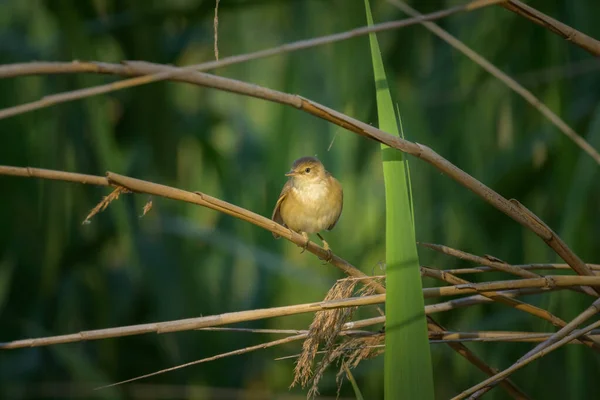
x: 504, y: 78
x: 248, y: 349
x: 497, y: 336
x: 465, y: 352
x: 512, y: 208
x: 139, y: 186
x: 480, y: 389
x: 511, y: 302
x: 16, y: 69
x: 49, y: 68
x: 445, y: 337
x: 479, y: 299
x: 195, y: 323
x: 346, y: 330
x: 572, y: 35
x: 545, y: 282
x: 529, y: 267
x: 216, y: 30
x: 252, y: 315
x: 495, y: 263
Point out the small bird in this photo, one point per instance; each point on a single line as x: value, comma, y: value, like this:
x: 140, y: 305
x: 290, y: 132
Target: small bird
x: 311, y: 200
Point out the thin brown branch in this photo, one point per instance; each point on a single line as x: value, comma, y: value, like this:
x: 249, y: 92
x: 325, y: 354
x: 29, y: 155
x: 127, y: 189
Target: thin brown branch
x: 498, y: 336
x: 479, y: 336
x: 511, y: 302
x: 479, y: 299
x: 29, y: 172
x: 464, y: 351
x: 216, y: 30
x: 248, y: 349
x: 174, y: 73
x: 251, y: 315
x: 504, y: 78
x: 494, y: 263
x: 528, y: 267
x: 549, y: 281
x: 196, y: 323
x: 136, y: 185
x: 299, y: 336
x: 479, y: 389
x: 572, y: 35
x: 140, y: 186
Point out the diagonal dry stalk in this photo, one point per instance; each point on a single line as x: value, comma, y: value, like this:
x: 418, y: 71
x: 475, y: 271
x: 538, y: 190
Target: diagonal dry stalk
x: 58, y: 68
x: 495, y: 263
x: 572, y: 35
x: 528, y: 267
x: 136, y: 185
x: 498, y: 336
x: 504, y: 78
x: 479, y: 299
x: 18, y: 69
x: 512, y: 208
x: 435, y: 337
x: 511, y: 302
x: 481, y: 388
x: 299, y: 335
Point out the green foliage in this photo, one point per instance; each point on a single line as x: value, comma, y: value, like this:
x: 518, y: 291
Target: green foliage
x: 58, y: 276
x: 408, y: 372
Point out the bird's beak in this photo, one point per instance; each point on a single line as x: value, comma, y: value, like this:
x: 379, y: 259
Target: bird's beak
x: 291, y: 173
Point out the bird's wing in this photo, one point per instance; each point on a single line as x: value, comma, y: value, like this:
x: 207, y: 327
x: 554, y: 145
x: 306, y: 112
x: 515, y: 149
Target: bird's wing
x: 337, y: 187
x: 276, y: 214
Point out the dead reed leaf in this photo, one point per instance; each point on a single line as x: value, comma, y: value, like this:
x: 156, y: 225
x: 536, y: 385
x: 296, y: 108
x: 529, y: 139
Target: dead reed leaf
x: 114, y: 195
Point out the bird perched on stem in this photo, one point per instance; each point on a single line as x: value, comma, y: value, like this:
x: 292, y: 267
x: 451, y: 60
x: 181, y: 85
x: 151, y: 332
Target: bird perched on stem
x: 311, y: 200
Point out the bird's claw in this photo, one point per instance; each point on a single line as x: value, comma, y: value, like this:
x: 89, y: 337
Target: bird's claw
x: 327, y: 258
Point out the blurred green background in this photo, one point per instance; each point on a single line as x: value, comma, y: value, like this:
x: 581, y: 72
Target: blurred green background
x: 58, y: 276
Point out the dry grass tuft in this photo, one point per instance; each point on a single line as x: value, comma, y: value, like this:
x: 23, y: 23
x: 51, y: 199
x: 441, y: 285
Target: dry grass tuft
x: 114, y: 195
x: 352, y: 351
x: 325, y: 329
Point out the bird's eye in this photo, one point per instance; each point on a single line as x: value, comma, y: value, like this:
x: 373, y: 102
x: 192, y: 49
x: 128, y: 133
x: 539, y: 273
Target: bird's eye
x: 307, y: 170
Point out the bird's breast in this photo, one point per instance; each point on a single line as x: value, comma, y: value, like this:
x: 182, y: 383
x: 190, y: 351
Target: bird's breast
x: 311, y: 208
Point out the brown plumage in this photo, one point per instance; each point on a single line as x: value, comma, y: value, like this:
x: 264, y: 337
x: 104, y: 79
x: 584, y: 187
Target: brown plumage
x: 311, y: 200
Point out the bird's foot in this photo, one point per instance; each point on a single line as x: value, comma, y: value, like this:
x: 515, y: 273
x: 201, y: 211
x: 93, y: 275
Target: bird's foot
x: 329, y: 256
x: 305, y: 236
